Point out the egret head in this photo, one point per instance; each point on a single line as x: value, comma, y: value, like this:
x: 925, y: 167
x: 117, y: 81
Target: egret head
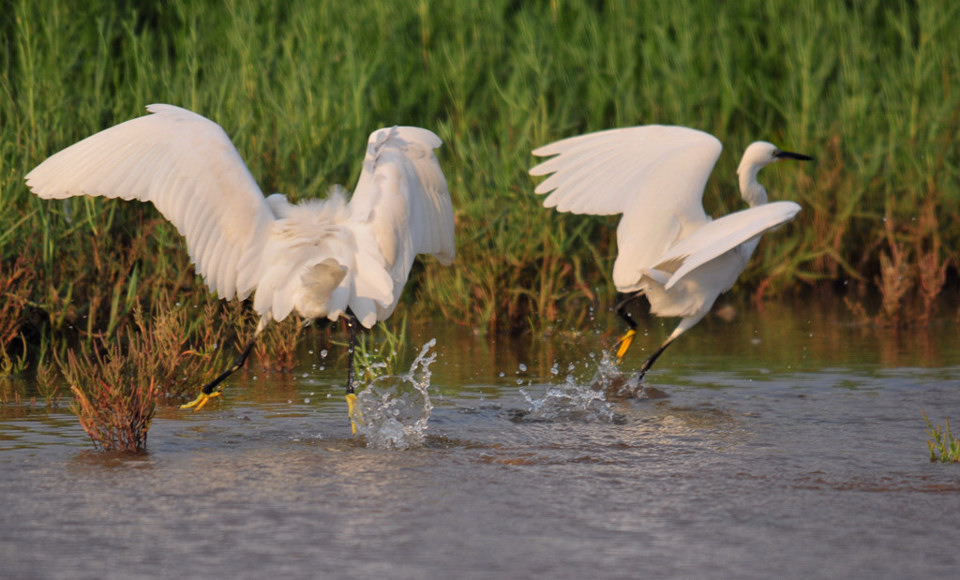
x: 760, y: 154
x: 757, y: 156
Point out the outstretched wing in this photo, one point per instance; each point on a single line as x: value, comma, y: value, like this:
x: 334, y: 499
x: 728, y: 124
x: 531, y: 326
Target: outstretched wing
x: 187, y: 167
x: 722, y: 235
x: 610, y: 172
x: 403, y: 201
x: 653, y: 174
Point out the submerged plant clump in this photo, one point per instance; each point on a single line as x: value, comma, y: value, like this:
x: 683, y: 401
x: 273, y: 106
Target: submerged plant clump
x: 115, y: 417
x: 118, y: 387
x: 943, y: 446
x: 114, y: 407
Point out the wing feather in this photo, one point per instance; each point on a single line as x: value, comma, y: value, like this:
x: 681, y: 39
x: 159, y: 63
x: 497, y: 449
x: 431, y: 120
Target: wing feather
x: 654, y: 175
x: 724, y: 234
x: 188, y: 168
x: 628, y: 160
x: 402, y: 197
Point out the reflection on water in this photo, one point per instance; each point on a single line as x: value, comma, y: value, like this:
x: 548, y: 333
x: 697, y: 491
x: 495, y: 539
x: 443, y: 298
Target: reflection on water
x: 784, y: 443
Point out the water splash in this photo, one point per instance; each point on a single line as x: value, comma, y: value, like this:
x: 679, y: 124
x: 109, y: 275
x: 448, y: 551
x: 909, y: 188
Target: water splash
x: 572, y: 400
x: 611, y: 381
x: 568, y: 401
x: 396, y: 408
x: 589, y: 400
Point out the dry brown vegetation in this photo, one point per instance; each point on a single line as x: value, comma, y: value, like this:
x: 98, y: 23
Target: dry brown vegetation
x: 117, y: 385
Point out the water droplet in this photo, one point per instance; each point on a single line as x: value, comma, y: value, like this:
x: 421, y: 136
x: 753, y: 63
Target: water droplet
x: 395, y: 409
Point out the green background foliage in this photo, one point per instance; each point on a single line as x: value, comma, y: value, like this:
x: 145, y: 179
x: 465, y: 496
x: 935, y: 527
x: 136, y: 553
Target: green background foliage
x: 869, y: 88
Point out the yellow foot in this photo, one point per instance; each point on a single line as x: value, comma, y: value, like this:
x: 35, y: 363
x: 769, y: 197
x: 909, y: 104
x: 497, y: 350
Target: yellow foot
x: 200, y: 401
x: 353, y: 410
x: 625, y: 343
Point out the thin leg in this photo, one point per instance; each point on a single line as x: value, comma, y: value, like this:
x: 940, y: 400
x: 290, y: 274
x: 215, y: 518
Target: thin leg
x: 685, y: 325
x: 353, y: 408
x: 653, y: 358
x: 207, y: 392
x: 622, y: 308
x: 208, y: 388
x: 627, y: 339
x: 351, y: 346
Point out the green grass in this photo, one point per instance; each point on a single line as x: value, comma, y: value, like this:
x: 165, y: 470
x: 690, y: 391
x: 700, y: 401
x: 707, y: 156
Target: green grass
x: 872, y: 90
x: 382, y: 356
x: 943, y: 446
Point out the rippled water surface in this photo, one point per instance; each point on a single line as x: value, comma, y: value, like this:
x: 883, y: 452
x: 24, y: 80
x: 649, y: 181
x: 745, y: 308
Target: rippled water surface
x: 785, y: 443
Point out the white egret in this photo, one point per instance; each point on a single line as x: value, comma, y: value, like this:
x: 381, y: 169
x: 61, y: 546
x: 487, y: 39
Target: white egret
x: 321, y: 258
x: 669, y: 249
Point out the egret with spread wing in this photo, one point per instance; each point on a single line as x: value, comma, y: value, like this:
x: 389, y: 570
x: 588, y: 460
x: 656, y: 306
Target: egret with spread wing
x: 669, y: 249
x: 321, y: 258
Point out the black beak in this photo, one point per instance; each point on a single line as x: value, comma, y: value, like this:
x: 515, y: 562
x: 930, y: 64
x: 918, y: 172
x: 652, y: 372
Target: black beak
x: 789, y: 155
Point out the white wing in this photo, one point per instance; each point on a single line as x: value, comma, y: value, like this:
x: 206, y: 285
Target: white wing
x: 187, y: 167
x: 614, y: 171
x: 653, y: 174
x: 402, y: 198
x: 722, y: 235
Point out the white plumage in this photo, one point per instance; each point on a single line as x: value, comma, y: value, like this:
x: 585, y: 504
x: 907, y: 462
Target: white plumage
x: 668, y: 248
x: 321, y: 258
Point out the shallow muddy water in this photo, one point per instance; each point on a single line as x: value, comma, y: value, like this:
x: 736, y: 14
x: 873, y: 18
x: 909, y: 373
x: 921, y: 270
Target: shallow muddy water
x: 786, y: 444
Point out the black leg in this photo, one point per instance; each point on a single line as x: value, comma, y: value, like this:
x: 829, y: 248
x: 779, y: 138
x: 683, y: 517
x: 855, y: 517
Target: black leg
x: 622, y: 308
x: 352, y: 330
x: 353, y: 406
x: 208, y: 388
x: 653, y: 358
x: 207, y: 392
x: 627, y: 339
